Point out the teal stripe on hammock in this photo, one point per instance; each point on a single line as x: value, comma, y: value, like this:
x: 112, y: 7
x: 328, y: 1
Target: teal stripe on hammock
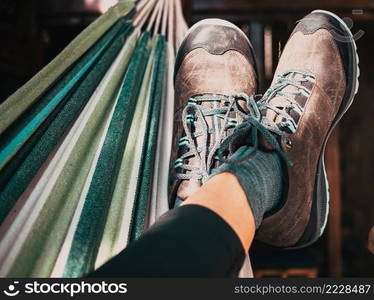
x: 116, y: 230
x: 90, y: 227
x: 56, y: 128
x: 18, y: 133
x: 148, y: 156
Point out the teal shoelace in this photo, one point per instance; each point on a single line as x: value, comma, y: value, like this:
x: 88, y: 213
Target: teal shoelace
x: 253, y: 125
x: 284, y: 80
x: 195, y: 126
x: 257, y: 123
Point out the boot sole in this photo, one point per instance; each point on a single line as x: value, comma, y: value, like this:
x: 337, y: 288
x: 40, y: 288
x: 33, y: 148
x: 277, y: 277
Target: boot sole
x: 321, y: 198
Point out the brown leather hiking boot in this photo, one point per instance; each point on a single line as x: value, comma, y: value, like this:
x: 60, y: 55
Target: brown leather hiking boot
x: 214, y: 62
x: 314, y: 85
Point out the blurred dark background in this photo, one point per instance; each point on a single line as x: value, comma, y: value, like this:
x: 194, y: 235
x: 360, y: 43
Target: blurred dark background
x: 35, y: 31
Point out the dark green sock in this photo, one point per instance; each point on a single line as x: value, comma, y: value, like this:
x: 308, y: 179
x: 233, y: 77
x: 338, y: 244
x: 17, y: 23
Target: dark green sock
x: 261, y: 179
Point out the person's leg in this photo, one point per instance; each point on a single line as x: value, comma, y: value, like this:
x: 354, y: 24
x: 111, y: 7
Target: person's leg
x: 205, y: 237
x: 243, y: 193
x: 210, y: 233
x: 236, y: 211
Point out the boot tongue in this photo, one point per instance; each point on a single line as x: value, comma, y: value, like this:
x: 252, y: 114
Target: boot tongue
x: 211, y: 104
x: 279, y: 102
x: 187, y: 188
x: 215, y: 124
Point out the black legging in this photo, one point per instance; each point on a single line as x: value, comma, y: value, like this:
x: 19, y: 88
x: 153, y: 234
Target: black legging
x: 188, y: 241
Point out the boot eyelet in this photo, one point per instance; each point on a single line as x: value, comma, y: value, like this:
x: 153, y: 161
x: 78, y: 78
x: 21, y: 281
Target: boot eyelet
x: 288, y: 143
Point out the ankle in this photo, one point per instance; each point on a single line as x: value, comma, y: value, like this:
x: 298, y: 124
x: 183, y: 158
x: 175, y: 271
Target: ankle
x: 259, y: 177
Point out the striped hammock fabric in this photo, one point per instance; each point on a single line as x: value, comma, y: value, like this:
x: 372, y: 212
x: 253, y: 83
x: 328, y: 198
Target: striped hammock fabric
x: 85, y: 144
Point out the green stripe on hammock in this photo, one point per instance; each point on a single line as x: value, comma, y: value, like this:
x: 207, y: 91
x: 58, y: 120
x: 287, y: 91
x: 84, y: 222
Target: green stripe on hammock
x: 149, y: 150
x: 86, y: 240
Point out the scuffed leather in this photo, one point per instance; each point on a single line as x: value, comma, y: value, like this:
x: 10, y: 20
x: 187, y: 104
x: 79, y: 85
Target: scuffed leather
x: 215, y: 39
x: 317, y: 53
x: 205, y: 73
x: 316, y: 21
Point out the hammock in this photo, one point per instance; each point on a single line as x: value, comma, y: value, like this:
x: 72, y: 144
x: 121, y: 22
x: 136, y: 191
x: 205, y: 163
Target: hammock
x: 85, y: 144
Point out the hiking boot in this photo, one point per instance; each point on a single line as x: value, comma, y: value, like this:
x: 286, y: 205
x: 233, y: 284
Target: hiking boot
x: 314, y: 85
x: 215, y: 65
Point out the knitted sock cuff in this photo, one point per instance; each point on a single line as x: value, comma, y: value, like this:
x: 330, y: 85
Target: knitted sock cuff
x: 260, y: 178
